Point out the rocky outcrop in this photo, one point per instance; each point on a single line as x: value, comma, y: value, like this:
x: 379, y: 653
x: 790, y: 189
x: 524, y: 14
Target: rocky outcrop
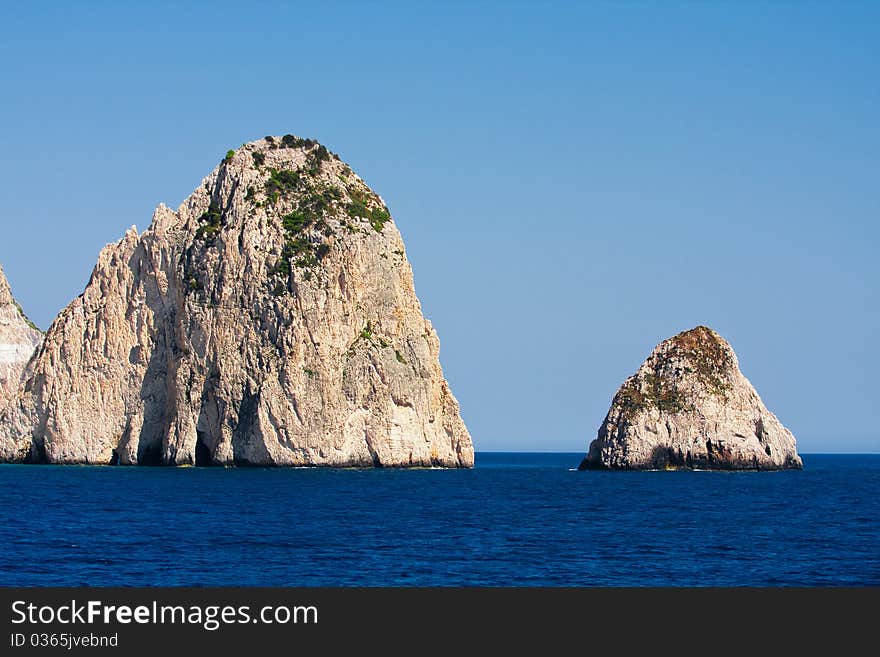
x: 689, y: 407
x: 270, y: 320
x: 19, y: 339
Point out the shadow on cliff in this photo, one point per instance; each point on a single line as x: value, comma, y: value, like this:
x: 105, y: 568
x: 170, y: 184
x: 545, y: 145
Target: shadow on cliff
x: 716, y: 457
x: 174, y: 326
x: 160, y: 374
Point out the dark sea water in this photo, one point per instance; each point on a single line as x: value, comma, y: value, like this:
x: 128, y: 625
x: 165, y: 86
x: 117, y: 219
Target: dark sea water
x: 517, y: 519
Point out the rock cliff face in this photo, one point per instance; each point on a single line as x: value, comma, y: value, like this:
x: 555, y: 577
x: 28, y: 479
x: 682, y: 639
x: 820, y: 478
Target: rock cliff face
x: 689, y: 406
x: 19, y: 339
x: 270, y: 320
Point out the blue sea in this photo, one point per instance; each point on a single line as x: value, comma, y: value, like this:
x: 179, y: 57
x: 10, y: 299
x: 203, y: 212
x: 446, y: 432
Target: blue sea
x: 515, y: 520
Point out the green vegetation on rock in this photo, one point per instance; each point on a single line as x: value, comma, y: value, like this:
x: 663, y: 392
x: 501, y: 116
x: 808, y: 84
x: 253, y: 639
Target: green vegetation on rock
x: 212, y: 221
x: 191, y: 277
x: 705, y: 351
x: 316, y: 157
x: 306, y: 203
x: 664, y: 394
x: 655, y: 391
x: 290, y: 141
x: 25, y: 317
x: 281, y: 183
x: 367, y: 206
x: 704, y: 356
x: 368, y: 335
x: 300, y: 249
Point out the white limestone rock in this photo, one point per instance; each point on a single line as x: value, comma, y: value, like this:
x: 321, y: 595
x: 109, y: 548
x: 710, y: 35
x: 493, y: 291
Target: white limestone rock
x: 689, y: 407
x: 271, y: 320
x: 19, y: 338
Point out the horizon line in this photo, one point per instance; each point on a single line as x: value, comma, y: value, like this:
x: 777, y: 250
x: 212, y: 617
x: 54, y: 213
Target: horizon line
x: 520, y: 451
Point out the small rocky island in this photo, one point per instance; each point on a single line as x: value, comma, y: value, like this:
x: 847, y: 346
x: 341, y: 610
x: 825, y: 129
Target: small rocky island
x: 271, y: 320
x: 689, y: 407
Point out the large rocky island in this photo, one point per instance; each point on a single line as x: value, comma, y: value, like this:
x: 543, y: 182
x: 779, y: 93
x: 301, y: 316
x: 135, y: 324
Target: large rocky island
x: 689, y: 407
x: 270, y: 320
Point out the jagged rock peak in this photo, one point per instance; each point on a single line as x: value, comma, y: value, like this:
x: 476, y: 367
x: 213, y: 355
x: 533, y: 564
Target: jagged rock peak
x: 19, y: 338
x: 5, y: 292
x: 270, y: 320
x: 689, y: 406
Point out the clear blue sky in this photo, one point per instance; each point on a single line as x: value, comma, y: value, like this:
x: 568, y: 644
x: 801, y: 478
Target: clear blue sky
x: 574, y: 181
